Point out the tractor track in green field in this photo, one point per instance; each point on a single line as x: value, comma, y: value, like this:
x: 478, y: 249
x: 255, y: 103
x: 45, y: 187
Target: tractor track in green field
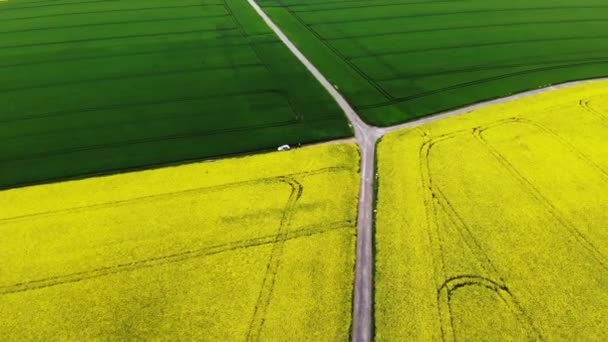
x: 140, y: 53
x: 343, y: 57
x: 435, y: 14
x: 104, y: 11
x: 365, y: 6
x: 468, y: 27
x: 128, y: 105
x: 137, y: 75
x: 88, y: 40
x: 467, y: 46
x: 110, y: 23
x: 479, y: 81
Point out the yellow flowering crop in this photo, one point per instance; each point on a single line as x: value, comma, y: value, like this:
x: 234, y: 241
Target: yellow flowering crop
x: 258, y: 247
x: 492, y: 225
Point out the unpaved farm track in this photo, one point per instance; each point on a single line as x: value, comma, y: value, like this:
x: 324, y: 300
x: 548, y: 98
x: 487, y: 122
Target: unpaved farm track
x: 366, y: 137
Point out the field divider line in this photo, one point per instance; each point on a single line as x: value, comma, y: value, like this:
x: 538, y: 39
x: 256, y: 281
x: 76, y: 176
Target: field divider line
x: 381, y: 131
x: 366, y: 137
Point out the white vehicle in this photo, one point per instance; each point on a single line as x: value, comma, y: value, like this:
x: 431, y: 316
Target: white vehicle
x: 284, y: 148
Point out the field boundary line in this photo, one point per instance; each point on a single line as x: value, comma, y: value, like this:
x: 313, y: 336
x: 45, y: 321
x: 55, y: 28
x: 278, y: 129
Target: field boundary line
x: 466, y: 109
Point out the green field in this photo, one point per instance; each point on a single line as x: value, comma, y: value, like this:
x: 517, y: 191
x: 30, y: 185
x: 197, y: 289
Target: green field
x: 98, y: 86
x: 397, y: 60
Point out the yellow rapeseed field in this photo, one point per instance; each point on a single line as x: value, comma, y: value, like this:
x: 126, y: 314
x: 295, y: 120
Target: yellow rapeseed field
x: 492, y: 225
x: 256, y: 248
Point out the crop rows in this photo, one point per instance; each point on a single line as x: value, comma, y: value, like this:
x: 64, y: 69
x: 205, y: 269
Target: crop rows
x: 135, y: 84
x: 399, y: 60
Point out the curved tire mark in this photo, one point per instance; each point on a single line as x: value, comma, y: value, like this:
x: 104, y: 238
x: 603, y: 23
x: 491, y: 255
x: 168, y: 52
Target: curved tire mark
x: 436, y: 199
x: 451, y: 285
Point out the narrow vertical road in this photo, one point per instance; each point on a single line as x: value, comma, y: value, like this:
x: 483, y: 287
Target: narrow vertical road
x: 366, y: 139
